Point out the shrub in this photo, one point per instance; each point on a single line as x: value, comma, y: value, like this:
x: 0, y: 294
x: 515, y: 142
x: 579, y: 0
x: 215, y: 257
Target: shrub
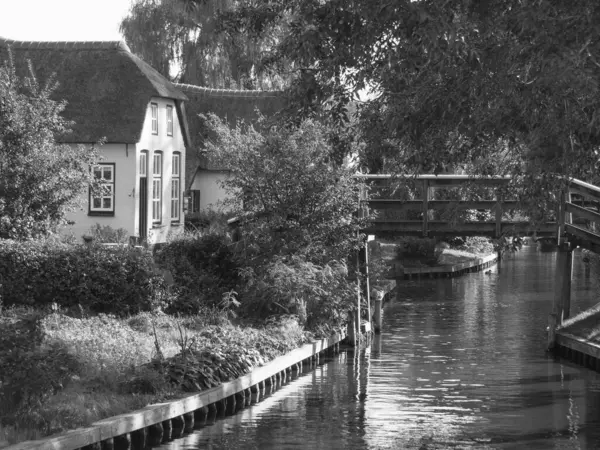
x: 31, y: 372
x: 120, y: 281
x: 107, y: 234
x: 320, y: 296
x: 422, y: 249
x: 203, y: 268
x: 472, y: 244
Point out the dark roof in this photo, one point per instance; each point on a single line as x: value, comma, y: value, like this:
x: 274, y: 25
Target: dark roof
x: 107, y: 88
x: 228, y: 104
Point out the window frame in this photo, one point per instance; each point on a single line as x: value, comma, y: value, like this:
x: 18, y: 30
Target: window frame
x: 154, y: 117
x: 157, y: 179
x: 169, y: 120
x: 194, y: 201
x: 176, y: 187
x: 100, y: 211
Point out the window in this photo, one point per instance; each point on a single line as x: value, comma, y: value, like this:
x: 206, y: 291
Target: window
x: 195, y: 200
x: 169, y: 120
x: 154, y: 109
x: 144, y: 164
x: 175, y: 187
x: 102, y: 200
x: 157, y: 188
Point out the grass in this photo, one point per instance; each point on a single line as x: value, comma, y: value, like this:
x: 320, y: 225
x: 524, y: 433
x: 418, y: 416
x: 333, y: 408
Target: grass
x: 107, y: 366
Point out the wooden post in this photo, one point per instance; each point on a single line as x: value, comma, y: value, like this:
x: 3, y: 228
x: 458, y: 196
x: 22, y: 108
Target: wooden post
x: 364, y: 280
x: 351, y: 330
x: 425, y: 207
x: 560, y: 219
x: 498, y: 216
x: 377, y: 314
x: 562, y: 291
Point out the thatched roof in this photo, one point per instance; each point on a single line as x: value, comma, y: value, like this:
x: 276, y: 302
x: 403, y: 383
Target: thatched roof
x: 228, y: 104
x: 107, y: 88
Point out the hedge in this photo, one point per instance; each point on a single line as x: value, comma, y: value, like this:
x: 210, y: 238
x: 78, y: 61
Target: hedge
x: 111, y: 280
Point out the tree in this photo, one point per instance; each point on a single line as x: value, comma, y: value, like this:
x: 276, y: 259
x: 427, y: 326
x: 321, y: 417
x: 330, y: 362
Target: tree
x: 497, y: 86
x: 184, y: 35
x: 296, y: 200
x: 40, y: 180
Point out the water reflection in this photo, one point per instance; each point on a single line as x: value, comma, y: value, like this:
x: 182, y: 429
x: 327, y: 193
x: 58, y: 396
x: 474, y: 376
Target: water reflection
x: 460, y: 364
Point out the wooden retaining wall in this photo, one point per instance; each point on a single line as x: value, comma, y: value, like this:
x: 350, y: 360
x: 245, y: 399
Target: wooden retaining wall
x: 578, y: 350
x: 451, y: 271
x: 164, y: 421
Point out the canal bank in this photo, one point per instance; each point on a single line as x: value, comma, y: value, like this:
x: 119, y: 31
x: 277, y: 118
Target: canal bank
x: 165, y: 421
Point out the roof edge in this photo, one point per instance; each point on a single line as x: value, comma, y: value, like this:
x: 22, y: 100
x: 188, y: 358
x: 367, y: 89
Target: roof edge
x: 210, y: 92
x: 65, y: 45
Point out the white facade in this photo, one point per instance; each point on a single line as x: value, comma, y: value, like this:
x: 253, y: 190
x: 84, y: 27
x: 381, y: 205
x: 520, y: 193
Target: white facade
x: 164, y: 207
x: 207, y: 183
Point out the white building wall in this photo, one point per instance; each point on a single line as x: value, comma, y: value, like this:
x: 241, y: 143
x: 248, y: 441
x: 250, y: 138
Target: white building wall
x: 127, y: 176
x: 211, y: 192
x: 167, y: 145
x: 124, y: 158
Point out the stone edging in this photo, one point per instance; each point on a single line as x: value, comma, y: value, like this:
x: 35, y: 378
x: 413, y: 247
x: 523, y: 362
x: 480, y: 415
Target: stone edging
x: 451, y: 271
x: 112, y: 432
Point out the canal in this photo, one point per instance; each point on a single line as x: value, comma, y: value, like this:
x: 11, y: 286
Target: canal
x: 460, y: 364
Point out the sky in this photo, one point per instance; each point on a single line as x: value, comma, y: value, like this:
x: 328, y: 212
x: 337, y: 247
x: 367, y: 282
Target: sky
x: 62, y: 20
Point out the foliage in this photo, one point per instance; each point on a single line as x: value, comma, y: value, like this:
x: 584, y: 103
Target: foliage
x: 494, y: 86
x: 121, y: 280
x: 185, y: 35
x: 203, y: 267
x: 107, y: 234
x: 296, y: 199
x: 40, y: 180
x: 422, y: 249
x: 472, y: 244
x: 31, y: 373
x: 320, y: 296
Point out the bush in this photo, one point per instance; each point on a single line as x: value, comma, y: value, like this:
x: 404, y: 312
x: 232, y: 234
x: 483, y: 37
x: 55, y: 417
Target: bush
x: 472, y: 244
x: 31, y: 372
x: 121, y: 281
x: 203, y: 268
x: 320, y: 296
x: 421, y: 249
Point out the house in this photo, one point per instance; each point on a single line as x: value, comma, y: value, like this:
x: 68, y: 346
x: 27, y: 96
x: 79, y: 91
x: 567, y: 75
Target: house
x: 204, y: 175
x: 116, y: 98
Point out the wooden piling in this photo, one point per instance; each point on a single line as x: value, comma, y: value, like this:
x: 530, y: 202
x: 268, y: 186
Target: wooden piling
x: 377, y: 313
x: 562, y: 291
x: 123, y: 442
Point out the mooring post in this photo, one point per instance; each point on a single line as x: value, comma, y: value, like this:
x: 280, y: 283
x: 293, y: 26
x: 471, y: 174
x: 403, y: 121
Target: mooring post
x: 377, y: 314
x: 562, y: 291
x: 351, y: 329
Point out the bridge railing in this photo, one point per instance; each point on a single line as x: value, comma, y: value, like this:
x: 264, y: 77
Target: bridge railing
x: 579, y: 216
x: 426, y: 226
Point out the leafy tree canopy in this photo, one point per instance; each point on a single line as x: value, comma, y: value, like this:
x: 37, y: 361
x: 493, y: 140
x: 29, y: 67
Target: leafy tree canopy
x: 183, y: 35
x: 296, y: 200
x: 39, y: 178
x: 498, y: 86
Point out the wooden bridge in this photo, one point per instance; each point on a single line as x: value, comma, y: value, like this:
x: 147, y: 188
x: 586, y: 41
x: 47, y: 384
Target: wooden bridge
x: 438, y: 213
x: 577, y: 209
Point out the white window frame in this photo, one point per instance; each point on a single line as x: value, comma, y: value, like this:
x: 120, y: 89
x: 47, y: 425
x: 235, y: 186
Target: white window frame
x: 154, y: 116
x: 106, y: 188
x: 157, y: 187
x: 175, y: 187
x: 169, y: 120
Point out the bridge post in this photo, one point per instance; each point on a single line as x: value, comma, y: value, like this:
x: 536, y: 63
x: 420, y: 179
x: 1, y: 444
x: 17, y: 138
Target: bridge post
x: 425, y: 207
x: 562, y: 291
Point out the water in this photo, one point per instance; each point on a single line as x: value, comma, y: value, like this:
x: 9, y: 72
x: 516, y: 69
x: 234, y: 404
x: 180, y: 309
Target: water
x: 460, y: 364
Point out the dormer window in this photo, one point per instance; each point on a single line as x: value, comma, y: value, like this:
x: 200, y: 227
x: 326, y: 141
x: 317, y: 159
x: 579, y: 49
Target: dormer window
x: 154, y: 109
x: 169, y: 120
